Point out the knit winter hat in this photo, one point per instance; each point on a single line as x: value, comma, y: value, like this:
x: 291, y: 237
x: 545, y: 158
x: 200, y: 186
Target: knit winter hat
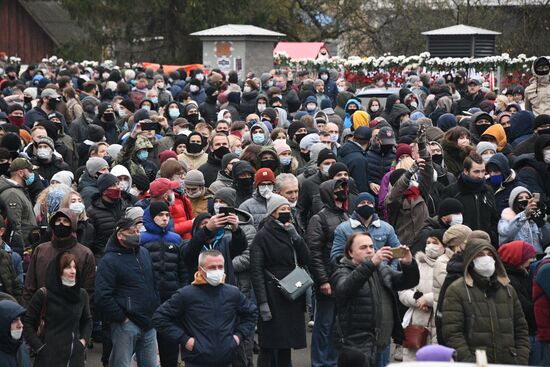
x: 435, y: 353
x: 94, y: 164
x: 113, y: 150
x: 157, y: 207
x: 141, y: 182
x: 456, y: 235
x: 478, y: 235
x: 135, y: 213
x: 308, y: 140
x: 364, y: 196
x: 516, y: 253
x: 264, y: 175
x: 295, y: 126
x: 227, y: 195
x: 228, y: 158
x: 449, y: 206
x: 402, y: 149
x: 96, y: 133
x: 241, y: 167
x: 105, y: 181
x: 194, y: 178
x: 514, y: 194
x: 434, y: 134
x: 281, y: 147
x: 484, y: 146
x: 446, y: 121
x: 129, y: 105
x: 324, y: 155
x: 274, y: 202
x: 336, y: 168
x: 46, y: 140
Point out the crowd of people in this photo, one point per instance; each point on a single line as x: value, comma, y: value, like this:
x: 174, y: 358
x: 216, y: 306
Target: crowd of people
x: 183, y: 217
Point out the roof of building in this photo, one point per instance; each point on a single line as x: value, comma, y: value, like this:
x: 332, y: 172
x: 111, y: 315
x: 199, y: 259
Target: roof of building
x: 54, y: 20
x: 460, y: 30
x: 240, y: 30
x: 299, y: 50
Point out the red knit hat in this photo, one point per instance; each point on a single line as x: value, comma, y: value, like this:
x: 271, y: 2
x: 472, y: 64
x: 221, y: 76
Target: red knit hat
x: 403, y: 149
x: 516, y: 253
x: 264, y: 175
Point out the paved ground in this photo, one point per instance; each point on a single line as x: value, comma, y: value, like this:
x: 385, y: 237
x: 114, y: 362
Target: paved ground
x: 300, y: 358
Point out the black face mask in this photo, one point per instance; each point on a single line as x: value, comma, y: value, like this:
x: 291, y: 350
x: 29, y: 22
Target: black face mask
x: 221, y: 151
x: 520, y: 205
x: 271, y: 164
x: 61, y: 231
x: 27, y: 99
x: 131, y: 240
x: 212, y: 99
x: 365, y: 211
x: 4, y: 168
x: 194, y: 148
x: 481, y: 128
x: 438, y: 158
x: 340, y: 196
x: 52, y: 104
x: 543, y: 131
x: 245, y: 184
x: 194, y: 118
x: 284, y: 218
x: 109, y: 116
x: 305, y: 156
x: 386, y: 148
x: 508, y: 132
x: 298, y: 137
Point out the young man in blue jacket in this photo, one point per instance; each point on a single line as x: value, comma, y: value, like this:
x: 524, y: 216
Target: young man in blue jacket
x: 126, y: 295
x: 208, y: 317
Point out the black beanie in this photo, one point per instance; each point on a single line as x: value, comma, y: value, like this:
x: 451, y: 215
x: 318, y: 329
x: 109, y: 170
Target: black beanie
x: 541, y: 120
x: 141, y: 182
x: 324, y: 155
x: 95, y: 133
x: 105, y: 181
x: 449, y: 206
x: 129, y: 105
x: 395, y: 175
x: 157, y: 207
x: 241, y: 167
x: 295, y: 126
x: 335, y: 168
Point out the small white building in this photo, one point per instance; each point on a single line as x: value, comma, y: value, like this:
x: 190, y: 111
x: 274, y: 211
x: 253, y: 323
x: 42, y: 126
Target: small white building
x: 239, y: 47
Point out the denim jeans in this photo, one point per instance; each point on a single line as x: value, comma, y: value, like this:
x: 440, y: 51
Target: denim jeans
x: 323, y: 352
x: 383, y: 357
x: 128, y: 339
x: 545, y: 354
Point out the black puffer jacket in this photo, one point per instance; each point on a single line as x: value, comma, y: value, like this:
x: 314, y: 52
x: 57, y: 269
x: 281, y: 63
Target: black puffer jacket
x: 103, y: 217
x: 248, y: 103
x: 379, y: 163
x: 358, y: 295
x: 320, y: 234
x: 165, y: 248
x: 47, y: 169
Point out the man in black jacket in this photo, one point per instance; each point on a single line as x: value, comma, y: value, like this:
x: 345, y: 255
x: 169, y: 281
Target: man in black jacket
x: 219, y: 146
x: 320, y: 234
x: 476, y: 197
x: 365, y: 287
x: 472, y: 99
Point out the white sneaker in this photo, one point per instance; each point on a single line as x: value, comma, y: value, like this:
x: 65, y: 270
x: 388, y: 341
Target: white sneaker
x: 310, y: 324
x: 398, y: 353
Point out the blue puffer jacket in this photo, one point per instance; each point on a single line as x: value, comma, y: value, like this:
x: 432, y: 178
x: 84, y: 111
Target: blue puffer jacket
x: 125, y: 285
x: 382, y: 234
x: 165, y: 248
x: 211, y: 315
x: 355, y: 158
x: 379, y: 163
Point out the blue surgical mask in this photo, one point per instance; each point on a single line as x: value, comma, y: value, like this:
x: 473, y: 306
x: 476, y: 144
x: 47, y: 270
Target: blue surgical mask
x: 258, y: 138
x: 146, y: 107
x: 285, y: 161
x: 155, y: 100
x: 238, y: 152
x: 142, y: 155
x: 29, y: 180
x: 496, y: 180
x: 174, y: 113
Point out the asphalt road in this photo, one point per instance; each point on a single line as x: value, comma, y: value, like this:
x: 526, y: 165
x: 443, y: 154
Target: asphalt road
x: 300, y: 358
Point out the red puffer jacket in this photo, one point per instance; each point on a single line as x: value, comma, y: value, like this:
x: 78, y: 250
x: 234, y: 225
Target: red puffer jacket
x: 182, y: 215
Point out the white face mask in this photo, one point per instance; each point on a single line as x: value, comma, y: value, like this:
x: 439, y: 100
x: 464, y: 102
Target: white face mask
x: 214, y: 277
x: 122, y: 113
x: 334, y: 138
x: 67, y: 282
x: 486, y: 157
x: 456, y: 219
x: 44, y: 153
x: 341, y: 89
x: 265, y: 191
x: 261, y: 107
x: 184, y: 132
x: 324, y: 76
x: 311, y: 106
x: 194, y: 88
x: 77, y: 208
x: 374, y: 108
x: 217, y: 207
x: 433, y: 250
x: 134, y: 191
x: 200, y: 77
x: 293, y: 204
x: 484, y: 266
x: 325, y: 168
x: 124, y: 185
x: 16, y: 334
x: 195, y: 194
x: 547, y: 156
x: 247, y: 89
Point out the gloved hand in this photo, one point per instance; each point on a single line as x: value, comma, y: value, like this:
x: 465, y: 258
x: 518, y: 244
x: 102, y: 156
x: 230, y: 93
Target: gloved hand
x: 265, y: 312
x: 289, y: 227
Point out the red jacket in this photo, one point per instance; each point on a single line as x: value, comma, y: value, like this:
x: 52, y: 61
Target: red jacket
x: 182, y: 215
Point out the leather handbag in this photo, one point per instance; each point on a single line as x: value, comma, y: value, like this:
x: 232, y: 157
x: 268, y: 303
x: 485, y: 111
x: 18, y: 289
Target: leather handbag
x: 295, y: 283
x: 416, y: 336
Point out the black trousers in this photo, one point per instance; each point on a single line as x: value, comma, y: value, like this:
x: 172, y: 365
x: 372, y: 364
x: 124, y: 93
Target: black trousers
x: 168, y: 352
x: 269, y: 357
